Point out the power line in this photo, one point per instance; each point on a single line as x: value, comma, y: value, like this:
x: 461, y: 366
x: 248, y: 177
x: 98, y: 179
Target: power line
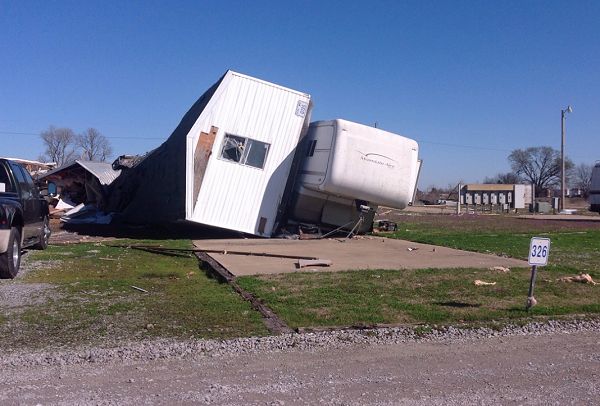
x: 114, y: 138
x: 445, y: 144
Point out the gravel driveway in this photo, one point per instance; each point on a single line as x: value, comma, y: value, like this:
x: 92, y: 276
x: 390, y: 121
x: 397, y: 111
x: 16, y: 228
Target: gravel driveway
x: 554, y: 363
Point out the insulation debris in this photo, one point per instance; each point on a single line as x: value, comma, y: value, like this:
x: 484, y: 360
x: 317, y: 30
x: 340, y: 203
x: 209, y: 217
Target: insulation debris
x: 483, y: 283
x: 582, y: 278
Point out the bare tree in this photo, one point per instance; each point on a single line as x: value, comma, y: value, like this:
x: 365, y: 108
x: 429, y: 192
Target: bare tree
x: 507, y: 178
x: 583, y: 178
x: 94, y: 146
x: 59, y: 144
x: 540, y: 166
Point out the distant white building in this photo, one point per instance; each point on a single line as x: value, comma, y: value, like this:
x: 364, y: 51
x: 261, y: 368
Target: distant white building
x: 506, y: 196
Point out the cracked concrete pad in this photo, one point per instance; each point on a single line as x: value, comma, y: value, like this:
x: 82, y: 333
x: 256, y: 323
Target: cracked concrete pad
x: 346, y: 254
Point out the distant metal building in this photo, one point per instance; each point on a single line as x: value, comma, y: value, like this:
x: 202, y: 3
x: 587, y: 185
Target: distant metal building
x: 497, y: 196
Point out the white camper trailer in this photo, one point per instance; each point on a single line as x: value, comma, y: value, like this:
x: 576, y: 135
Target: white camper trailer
x: 349, y: 166
x: 225, y: 165
x: 595, y: 188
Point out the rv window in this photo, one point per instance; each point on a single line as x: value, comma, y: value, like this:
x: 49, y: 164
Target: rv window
x: 311, y: 148
x: 245, y: 151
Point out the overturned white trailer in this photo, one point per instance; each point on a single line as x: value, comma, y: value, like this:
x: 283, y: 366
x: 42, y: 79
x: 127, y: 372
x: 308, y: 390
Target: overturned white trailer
x: 233, y: 163
x: 226, y: 164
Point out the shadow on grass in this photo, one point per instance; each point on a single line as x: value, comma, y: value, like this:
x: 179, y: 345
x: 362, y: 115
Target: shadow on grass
x: 456, y: 304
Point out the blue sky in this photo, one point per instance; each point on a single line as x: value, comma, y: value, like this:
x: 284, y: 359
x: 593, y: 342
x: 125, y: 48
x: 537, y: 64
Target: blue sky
x: 470, y: 81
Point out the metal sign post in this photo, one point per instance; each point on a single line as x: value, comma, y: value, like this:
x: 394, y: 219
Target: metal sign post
x: 539, y: 248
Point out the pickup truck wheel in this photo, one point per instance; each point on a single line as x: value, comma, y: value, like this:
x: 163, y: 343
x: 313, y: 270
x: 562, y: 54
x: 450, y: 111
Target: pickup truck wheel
x: 44, y: 237
x: 11, y: 259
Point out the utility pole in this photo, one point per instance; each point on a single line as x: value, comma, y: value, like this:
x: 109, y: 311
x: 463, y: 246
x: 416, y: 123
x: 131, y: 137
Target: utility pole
x: 563, y: 117
x: 458, y: 199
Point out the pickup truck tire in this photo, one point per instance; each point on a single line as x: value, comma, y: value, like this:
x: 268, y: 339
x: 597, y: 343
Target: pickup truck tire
x: 11, y: 259
x: 42, y: 243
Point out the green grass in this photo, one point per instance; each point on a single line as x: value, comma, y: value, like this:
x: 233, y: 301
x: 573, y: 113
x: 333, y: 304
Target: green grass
x: 574, y: 250
x: 446, y: 295
x: 93, y: 299
x: 93, y: 302
x: 417, y: 296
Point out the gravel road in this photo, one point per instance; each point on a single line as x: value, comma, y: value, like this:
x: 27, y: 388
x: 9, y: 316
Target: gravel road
x: 551, y: 363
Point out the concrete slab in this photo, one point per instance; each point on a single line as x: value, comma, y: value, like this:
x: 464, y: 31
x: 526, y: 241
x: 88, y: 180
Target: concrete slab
x: 362, y: 253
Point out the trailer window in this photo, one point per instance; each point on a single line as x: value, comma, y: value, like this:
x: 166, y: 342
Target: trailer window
x: 233, y: 148
x: 244, y: 151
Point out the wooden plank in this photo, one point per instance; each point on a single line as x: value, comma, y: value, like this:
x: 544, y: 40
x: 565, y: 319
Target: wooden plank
x: 201, y: 157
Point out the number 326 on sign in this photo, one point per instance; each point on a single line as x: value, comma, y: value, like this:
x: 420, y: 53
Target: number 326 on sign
x: 539, y: 248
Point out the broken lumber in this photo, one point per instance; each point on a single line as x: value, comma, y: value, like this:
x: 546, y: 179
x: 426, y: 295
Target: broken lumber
x: 174, y: 251
x: 303, y: 263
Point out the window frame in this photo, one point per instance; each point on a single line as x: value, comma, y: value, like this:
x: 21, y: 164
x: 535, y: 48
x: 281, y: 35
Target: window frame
x: 247, y: 148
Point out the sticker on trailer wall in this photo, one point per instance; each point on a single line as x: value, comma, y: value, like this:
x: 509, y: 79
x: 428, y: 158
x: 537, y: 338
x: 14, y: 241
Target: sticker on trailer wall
x: 301, y: 108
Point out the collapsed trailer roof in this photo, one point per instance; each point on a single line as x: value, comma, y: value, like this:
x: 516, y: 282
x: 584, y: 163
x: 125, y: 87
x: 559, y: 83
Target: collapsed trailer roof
x: 101, y: 170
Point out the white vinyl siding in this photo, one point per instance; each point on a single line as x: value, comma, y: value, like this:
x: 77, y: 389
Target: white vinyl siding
x: 236, y: 196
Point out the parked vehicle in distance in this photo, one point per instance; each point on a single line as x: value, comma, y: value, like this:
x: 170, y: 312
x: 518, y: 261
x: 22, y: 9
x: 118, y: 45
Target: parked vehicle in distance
x: 595, y: 189
x: 23, y: 217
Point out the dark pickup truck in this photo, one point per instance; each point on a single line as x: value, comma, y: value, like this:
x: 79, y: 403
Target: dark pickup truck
x: 23, y: 217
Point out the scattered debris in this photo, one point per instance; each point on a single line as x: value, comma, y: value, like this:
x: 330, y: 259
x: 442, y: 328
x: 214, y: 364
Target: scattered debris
x: 582, y: 278
x: 140, y: 289
x: 190, y: 274
x: 65, y: 204
x: 385, y: 225
x: 309, y: 232
x: 302, y: 263
x: 500, y: 269
x: 483, y: 283
x: 531, y: 302
x: 86, y: 214
x: 412, y: 249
